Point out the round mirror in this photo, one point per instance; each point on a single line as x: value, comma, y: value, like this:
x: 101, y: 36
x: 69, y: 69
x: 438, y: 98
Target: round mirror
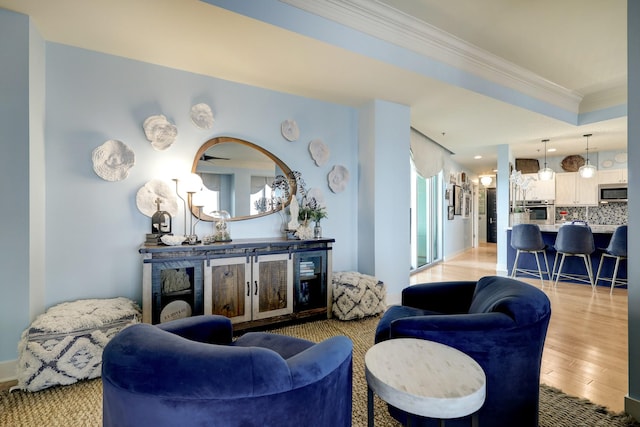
x: 241, y: 178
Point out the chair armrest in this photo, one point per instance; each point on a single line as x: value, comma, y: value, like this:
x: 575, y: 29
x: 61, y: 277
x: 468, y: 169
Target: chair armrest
x: 441, y: 297
x: 212, y: 329
x: 320, y: 360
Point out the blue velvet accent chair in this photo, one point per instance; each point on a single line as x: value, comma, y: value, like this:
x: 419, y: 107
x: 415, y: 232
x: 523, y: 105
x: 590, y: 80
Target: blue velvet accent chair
x: 190, y: 372
x: 499, y: 321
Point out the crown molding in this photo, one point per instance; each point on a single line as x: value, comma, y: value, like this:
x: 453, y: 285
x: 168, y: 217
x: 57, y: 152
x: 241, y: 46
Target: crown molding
x: 386, y: 23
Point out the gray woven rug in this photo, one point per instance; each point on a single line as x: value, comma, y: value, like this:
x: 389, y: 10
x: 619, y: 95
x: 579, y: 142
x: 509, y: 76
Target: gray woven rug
x: 81, y: 404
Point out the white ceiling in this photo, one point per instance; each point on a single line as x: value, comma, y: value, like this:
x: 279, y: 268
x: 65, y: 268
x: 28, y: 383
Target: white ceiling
x: 574, y: 47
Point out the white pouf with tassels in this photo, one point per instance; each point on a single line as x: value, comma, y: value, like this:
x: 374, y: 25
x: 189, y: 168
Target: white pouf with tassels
x: 357, y: 295
x: 65, y: 344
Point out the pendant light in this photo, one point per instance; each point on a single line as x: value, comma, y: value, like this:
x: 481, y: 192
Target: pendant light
x: 546, y: 173
x: 587, y: 170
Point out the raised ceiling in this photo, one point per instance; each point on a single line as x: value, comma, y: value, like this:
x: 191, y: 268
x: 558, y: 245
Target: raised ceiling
x: 567, y: 57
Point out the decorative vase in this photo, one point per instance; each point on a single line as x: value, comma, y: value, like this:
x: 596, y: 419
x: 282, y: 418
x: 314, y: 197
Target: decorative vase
x: 317, y: 231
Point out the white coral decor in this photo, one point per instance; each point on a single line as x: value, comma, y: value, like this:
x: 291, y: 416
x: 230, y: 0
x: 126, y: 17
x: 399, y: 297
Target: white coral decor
x: 160, y: 132
x: 338, y: 178
x: 112, y: 160
x: 304, y: 232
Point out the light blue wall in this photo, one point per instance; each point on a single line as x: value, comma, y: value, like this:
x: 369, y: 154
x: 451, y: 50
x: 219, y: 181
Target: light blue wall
x: 68, y: 234
x: 384, y: 195
x: 14, y: 179
x: 93, y: 227
x: 93, y: 97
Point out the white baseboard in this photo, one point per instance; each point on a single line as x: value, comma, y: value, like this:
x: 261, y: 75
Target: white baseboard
x: 632, y: 406
x: 8, y: 370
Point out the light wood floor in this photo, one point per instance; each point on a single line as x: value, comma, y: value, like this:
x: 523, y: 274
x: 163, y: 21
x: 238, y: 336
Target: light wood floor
x: 585, y: 353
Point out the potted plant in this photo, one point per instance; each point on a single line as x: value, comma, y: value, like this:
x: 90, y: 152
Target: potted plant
x: 314, y: 214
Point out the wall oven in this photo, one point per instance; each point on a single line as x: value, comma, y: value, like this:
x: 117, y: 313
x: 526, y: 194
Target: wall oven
x: 541, y: 211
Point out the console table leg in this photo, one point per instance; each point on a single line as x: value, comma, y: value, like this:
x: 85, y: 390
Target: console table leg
x: 369, y: 407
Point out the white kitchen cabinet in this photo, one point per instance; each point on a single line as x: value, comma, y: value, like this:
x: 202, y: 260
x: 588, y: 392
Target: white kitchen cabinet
x: 613, y: 176
x: 537, y: 189
x: 573, y: 190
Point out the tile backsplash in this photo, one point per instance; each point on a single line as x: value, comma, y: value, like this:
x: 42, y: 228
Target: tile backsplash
x: 607, y: 214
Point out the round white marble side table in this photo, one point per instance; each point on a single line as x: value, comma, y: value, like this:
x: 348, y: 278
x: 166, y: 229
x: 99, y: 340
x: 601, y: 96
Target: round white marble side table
x: 424, y: 378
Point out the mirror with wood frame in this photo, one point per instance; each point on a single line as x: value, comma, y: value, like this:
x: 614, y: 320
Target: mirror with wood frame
x: 241, y: 178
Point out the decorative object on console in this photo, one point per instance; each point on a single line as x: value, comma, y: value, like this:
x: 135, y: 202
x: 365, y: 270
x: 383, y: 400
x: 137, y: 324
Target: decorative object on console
x: 304, y: 231
x: 112, y: 160
x: 173, y: 240
x: 338, y: 178
x: 294, y: 209
x: 290, y: 130
x: 160, y: 132
x: 156, y: 189
x: 64, y: 344
x: 587, y: 170
x: 221, y: 226
x: 160, y: 221
x: 148, y: 199
x: 319, y: 152
x: 189, y: 184
x: 315, y: 201
x: 202, y: 116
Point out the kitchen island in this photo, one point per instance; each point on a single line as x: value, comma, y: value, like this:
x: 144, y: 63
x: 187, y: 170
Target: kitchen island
x: 572, y: 265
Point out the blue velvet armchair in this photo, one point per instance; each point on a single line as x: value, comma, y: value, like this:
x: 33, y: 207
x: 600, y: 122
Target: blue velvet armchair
x: 500, y: 322
x: 191, y: 372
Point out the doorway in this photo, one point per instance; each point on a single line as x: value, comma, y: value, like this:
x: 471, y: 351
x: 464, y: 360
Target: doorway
x: 492, y: 216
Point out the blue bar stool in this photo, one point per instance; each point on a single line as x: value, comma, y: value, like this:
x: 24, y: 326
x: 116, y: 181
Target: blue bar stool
x: 574, y: 240
x: 617, y: 249
x: 527, y: 238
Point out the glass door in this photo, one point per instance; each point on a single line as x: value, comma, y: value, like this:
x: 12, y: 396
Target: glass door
x: 426, y: 219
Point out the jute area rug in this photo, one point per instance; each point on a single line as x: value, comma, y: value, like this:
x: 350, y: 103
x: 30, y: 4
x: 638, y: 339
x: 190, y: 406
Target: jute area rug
x: 81, y: 404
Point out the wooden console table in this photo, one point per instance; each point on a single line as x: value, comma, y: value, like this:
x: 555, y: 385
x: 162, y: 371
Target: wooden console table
x: 254, y: 282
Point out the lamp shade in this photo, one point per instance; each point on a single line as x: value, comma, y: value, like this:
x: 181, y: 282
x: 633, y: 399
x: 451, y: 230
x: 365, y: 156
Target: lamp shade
x: 587, y: 170
x: 486, y: 180
x: 546, y: 174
